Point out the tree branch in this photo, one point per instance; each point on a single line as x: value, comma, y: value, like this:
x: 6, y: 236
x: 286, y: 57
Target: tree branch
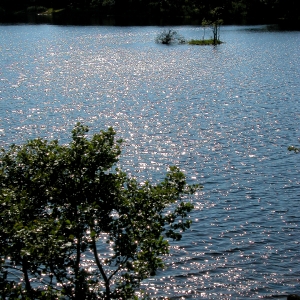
x: 99, y: 265
x: 25, y: 272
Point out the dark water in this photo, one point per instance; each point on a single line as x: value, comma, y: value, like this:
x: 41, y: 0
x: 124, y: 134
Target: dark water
x: 225, y: 115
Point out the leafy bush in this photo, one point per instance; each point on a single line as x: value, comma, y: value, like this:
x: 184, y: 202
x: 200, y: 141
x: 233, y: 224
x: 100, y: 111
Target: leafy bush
x: 73, y: 226
x: 169, y: 37
x: 293, y: 148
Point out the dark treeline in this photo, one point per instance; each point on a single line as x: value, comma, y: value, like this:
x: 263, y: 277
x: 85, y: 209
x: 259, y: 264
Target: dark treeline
x: 173, y: 11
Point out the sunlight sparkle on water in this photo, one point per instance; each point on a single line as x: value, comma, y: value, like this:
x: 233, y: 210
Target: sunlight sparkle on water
x: 225, y: 116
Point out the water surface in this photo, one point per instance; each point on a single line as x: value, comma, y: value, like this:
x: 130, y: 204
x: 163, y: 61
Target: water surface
x: 225, y: 115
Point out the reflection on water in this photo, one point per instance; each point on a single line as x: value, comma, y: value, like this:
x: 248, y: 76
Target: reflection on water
x: 225, y: 115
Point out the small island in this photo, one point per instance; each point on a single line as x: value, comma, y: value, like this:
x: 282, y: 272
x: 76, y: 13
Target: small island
x: 172, y: 37
x: 205, y: 42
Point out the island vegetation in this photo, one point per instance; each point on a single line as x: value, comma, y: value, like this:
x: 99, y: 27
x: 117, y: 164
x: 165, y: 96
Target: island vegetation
x: 204, y: 42
x: 214, y: 23
x: 293, y: 148
x: 168, y: 37
x: 122, y: 12
x: 74, y: 226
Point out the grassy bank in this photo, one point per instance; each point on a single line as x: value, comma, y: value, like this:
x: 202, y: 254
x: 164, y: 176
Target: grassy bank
x: 205, y: 42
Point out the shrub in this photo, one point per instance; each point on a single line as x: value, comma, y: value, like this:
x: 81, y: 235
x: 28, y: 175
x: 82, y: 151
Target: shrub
x: 169, y: 37
x: 293, y: 148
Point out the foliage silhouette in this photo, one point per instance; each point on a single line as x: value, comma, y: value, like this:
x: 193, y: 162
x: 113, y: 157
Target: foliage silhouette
x: 73, y: 226
x: 293, y: 148
x: 215, y: 24
x: 283, y: 12
x: 169, y: 37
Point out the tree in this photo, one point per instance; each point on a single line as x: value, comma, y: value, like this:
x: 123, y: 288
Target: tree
x: 215, y: 24
x: 74, y: 226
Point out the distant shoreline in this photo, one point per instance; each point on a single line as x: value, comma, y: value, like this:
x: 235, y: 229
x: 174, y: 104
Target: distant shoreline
x: 121, y: 21
x: 91, y: 17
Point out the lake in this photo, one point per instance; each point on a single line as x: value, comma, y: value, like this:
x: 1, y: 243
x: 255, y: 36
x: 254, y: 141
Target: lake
x: 225, y: 115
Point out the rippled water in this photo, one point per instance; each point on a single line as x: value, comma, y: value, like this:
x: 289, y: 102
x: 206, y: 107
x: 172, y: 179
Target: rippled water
x: 224, y: 115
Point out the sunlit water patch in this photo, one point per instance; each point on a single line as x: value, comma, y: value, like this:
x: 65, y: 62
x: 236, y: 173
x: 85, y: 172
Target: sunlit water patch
x: 224, y: 115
